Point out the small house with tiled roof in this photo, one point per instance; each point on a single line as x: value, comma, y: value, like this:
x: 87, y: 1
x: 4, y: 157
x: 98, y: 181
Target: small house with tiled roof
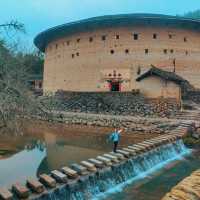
x: 158, y: 83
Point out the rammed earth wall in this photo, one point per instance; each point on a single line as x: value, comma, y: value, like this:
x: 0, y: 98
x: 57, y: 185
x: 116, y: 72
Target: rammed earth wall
x: 74, y: 63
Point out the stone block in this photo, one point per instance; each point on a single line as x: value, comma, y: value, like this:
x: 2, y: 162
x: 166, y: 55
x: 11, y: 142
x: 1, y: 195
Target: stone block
x: 137, y: 149
x: 125, y: 153
x: 90, y: 167
x: 152, y: 144
x: 105, y: 160
x: 47, y: 180
x: 5, y: 194
x: 131, y: 151
x: 80, y: 169
x: 147, y: 146
x: 70, y: 172
x: 142, y: 148
x: 20, y: 190
x: 35, y: 185
x: 112, y: 157
x: 118, y: 155
x: 97, y: 163
x: 59, y: 176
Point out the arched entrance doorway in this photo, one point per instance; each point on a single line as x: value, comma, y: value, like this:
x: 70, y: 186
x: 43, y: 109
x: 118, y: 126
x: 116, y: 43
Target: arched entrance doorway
x: 115, y: 86
x: 114, y: 81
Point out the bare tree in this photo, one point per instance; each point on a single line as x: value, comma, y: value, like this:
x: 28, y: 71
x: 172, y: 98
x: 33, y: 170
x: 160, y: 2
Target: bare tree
x: 13, y: 25
x: 17, y: 102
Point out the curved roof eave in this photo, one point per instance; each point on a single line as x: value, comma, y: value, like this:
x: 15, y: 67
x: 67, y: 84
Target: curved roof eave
x: 43, y: 38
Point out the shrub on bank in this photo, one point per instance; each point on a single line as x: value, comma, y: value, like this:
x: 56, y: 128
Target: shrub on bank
x: 190, y: 141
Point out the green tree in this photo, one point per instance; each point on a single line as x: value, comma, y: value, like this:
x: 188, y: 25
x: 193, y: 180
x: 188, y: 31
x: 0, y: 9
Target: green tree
x: 33, y: 61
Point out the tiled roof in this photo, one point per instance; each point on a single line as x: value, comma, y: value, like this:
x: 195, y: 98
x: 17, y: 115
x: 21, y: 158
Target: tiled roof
x: 94, y: 23
x: 154, y: 71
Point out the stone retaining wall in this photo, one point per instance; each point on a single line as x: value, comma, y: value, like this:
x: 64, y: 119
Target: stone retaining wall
x: 117, y: 103
x: 188, y: 189
x: 130, y: 123
x: 193, y: 95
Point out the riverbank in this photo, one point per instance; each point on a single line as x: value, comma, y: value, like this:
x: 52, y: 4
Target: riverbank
x: 129, y: 123
x: 188, y: 189
x: 41, y: 130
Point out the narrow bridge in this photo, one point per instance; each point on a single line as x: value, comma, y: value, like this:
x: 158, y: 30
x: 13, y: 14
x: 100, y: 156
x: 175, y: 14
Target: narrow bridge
x: 97, y: 175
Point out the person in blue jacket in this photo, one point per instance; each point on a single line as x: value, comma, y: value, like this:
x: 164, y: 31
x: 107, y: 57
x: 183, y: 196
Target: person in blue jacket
x: 115, y: 137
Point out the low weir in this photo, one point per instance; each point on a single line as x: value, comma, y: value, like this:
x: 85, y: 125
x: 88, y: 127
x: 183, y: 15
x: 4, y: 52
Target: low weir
x: 95, y: 178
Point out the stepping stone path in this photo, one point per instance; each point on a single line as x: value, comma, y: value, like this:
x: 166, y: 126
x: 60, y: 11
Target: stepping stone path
x: 80, y: 172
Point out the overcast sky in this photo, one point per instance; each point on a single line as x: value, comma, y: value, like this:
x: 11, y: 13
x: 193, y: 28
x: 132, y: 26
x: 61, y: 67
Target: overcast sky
x: 38, y: 15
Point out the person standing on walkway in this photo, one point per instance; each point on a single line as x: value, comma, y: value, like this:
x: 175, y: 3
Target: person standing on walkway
x: 115, y: 137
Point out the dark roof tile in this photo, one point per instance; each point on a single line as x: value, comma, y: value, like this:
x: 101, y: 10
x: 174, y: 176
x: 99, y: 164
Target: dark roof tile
x: 94, y: 23
x: 171, y: 76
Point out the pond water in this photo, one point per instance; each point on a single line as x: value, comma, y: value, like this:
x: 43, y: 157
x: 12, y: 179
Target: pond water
x: 46, y: 148
x: 37, y: 155
x: 157, y: 184
x: 33, y: 154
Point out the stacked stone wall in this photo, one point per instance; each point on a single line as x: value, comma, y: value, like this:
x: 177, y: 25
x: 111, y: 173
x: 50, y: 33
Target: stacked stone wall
x: 193, y: 95
x: 114, y: 103
x: 129, y: 123
x: 188, y: 189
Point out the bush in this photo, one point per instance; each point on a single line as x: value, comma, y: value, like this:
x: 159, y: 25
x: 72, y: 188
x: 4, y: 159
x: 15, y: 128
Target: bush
x: 191, y: 142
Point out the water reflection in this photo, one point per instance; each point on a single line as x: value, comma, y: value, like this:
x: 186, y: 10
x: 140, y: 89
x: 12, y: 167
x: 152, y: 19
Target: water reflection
x: 35, y: 144
x: 51, y: 151
x: 65, y: 151
x: 50, y: 146
x: 20, y: 166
